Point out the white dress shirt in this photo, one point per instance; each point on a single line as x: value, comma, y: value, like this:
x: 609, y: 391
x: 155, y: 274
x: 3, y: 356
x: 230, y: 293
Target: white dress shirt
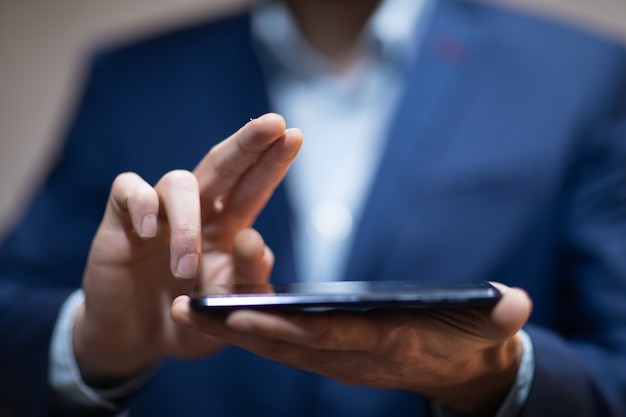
x: 344, y: 116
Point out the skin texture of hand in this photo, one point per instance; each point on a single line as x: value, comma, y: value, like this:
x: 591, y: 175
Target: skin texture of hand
x: 155, y: 243
x: 467, y: 360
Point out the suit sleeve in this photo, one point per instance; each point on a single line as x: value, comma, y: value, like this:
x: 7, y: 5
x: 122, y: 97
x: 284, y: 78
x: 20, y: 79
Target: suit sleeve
x: 581, y: 361
x: 42, y: 259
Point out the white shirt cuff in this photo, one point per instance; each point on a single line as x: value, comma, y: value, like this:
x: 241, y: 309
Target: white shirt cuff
x: 64, y: 376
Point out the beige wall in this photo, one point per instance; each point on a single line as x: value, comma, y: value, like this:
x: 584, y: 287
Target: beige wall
x: 43, y: 43
x: 604, y: 15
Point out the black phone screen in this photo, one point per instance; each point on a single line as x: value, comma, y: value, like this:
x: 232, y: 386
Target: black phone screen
x: 347, y: 295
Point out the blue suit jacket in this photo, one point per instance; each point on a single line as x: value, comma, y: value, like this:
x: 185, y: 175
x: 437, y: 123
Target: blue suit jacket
x: 506, y: 161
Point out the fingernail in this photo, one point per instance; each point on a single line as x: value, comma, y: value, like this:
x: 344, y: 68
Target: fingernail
x: 149, y: 226
x: 187, y: 266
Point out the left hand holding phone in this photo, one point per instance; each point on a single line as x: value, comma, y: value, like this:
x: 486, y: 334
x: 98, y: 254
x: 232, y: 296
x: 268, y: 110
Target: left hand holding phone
x: 466, y: 358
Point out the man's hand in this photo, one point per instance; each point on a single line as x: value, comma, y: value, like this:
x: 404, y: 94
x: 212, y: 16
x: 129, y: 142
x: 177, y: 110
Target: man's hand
x: 467, y: 359
x: 156, y: 243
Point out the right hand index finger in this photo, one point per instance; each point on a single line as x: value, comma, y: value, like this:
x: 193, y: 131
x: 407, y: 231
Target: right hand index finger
x: 263, y: 141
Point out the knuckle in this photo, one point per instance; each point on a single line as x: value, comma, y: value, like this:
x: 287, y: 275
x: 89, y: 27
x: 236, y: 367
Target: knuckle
x: 226, y: 171
x: 187, y: 232
x: 396, y: 339
x: 140, y: 196
x: 130, y: 191
x: 122, y: 180
x: 178, y: 178
x: 325, y: 338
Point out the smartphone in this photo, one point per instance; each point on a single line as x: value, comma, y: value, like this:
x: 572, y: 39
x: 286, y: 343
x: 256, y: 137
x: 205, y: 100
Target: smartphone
x: 345, y: 295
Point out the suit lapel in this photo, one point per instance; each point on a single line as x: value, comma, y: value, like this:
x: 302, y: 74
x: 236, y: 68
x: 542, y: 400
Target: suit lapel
x: 439, y: 87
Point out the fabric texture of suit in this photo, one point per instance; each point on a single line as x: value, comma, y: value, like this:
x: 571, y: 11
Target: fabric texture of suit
x: 506, y: 161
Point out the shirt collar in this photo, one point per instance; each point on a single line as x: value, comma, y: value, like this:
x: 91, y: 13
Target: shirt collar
x: 392, y: 35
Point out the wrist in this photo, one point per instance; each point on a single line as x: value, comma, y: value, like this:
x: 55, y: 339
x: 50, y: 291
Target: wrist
x: 490, y: 375
x: 102, y: 360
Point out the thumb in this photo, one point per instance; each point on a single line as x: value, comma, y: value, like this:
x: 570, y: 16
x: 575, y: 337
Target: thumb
x: 512, y: 311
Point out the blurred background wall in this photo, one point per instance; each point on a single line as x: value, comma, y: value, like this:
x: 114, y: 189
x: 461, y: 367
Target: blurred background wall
x: 44, y: 43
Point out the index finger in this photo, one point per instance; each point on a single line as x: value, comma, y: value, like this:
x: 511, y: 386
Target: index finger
x: 226, y: 162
